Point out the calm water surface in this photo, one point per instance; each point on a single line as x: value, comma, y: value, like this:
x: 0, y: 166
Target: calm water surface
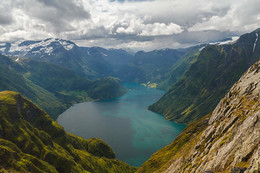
x: 124, y: 123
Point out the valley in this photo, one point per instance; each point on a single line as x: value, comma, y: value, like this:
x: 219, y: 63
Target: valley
x: 124, y: 123
x: 138, y: 103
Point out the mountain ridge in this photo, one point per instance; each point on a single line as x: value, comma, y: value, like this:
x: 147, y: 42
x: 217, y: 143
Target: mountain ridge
x: 207, y: 80
x: 225, y: 140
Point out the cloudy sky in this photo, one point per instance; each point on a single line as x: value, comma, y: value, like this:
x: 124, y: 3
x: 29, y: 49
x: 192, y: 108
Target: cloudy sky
x: 135, y: 24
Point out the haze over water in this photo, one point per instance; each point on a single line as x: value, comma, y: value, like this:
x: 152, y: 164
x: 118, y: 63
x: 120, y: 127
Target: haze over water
x: 133, y: 132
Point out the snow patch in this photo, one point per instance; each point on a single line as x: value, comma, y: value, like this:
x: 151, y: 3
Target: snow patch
x: 47, y: 50
x: 66, y: 45
x: 103, y: 54
x: 38, y: 47
x: 231, y: 41
x: 256, y: 34
x: 2, y: 49
x: 2, y: 44
x: 202, y: 48
x: 17, y: 59
x: 15, y: 47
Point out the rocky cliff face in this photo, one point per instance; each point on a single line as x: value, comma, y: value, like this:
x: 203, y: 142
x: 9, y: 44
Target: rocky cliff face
x: 226, y: 140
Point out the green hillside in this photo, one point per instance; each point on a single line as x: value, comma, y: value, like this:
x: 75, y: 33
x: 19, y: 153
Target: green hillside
x: 30, y: 141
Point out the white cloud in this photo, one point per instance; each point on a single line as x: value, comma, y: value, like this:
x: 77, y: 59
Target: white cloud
x: 161, y: 29
x: 147, y: 24
x: 242, y: 16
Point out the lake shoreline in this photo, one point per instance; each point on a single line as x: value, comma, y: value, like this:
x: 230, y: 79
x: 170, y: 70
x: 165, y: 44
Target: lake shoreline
x: 125, y: 123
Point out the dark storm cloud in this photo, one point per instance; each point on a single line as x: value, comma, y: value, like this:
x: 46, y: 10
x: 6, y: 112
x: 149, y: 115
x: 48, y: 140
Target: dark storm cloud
x: 57, y: 14
x: 5, y: 19
x: 6, y: 14
x: 66, y: 8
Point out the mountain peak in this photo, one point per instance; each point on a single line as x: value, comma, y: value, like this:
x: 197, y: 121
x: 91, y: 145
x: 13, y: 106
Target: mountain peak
x: 47, y: 46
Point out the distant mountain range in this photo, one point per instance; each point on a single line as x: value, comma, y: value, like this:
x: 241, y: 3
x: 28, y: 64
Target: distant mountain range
x: 163, y: 66
x: 93, y: 62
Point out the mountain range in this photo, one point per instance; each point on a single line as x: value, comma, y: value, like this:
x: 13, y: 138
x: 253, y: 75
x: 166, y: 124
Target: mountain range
x: 208, y: 79
x: 204, y: 86
x: 52, y: 87
x: 163, y: 67
x: 90, y: 62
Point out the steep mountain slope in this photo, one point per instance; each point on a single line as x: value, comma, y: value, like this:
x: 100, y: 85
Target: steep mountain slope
x: 226, y: 140
x: 163, y: 67
x: 91, y: 62
x: 149, y: 66
x: 65, y: 84
x: 11, y: 80
x: 208, y: 79
x: 180, y: 67
x: 30, y: 141
x: 60, y: 87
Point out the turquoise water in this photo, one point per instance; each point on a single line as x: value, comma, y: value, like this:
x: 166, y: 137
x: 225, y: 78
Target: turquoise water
x: 124, y: 123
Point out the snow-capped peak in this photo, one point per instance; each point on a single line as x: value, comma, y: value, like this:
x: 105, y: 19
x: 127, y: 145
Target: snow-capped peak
x: 46, y: 46
x: 66, y: 45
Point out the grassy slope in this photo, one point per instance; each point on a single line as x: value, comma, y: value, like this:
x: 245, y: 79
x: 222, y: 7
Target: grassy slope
x: 207, y: 80
x: 30, y: 141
